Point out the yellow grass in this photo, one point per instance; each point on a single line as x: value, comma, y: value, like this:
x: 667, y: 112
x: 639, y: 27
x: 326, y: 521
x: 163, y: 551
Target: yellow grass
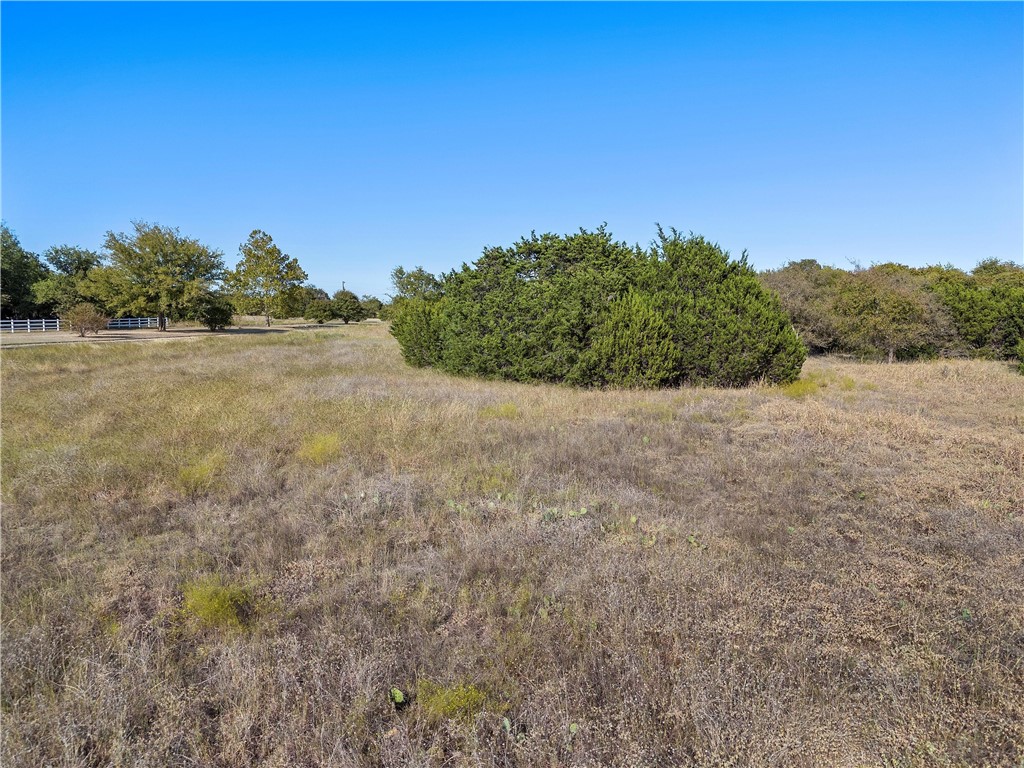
x: 830, y: 573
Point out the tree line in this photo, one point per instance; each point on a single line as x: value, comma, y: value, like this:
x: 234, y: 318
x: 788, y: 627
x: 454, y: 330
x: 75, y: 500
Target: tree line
x: 896, y: 312
x: 155, y: 270
x: 587, y: 310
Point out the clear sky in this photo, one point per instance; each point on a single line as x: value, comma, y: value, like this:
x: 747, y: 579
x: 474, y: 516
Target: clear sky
x: 363, y: 136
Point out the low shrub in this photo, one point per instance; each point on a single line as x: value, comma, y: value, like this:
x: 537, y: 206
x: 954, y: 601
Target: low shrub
x: 800, y: 388
x: 216, y: 312
x: 84, y: 318
x: 502, y: 411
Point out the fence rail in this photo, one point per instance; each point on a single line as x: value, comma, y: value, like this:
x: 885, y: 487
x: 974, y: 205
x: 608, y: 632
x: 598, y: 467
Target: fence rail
x: 29, y: 326
x: 134, y: 322
x: 39, y: 326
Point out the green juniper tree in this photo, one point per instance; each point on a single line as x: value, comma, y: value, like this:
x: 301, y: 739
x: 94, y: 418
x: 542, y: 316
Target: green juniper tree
x: 587, y: 310
x: 346, y: 307
x: 319, y: 311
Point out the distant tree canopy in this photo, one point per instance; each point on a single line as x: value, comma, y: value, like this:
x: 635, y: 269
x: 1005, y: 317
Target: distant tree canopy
x: 899, y: 312
x: 266, y: 278
x: 371, y: 305
x: 590, y: 311
x: 414, y: 284
x: 19, y: 271
x: 66, y: 286
x: 156, y: 270
x: 346, y: 307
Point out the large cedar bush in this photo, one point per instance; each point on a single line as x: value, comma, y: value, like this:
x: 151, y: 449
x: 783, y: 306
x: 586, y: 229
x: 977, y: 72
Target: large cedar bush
x: 587, y: 310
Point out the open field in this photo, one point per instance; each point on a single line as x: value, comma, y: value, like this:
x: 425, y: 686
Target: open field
x: 227, y: 552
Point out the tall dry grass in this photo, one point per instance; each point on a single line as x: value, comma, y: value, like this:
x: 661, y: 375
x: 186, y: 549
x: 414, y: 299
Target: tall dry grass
x: 229, y: 552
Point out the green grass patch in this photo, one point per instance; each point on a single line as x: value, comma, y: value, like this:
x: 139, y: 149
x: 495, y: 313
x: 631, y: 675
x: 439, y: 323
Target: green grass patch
x: 211, y: 603
x: 505, y: 411
x: 460, y: 703
x: 800, y: 388
x: 321, y: 448
x: 200, y: 476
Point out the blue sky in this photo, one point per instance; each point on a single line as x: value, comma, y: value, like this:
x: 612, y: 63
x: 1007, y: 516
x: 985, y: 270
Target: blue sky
x: 363, y: 136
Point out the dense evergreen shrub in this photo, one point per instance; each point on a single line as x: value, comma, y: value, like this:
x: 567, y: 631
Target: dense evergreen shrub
x: 414, y: 325
x: 588, y: 310
x: 216, y: 311
x: 729, y: 329
x: 319, y: 311
x: 986, y: 306
x: 633, y: 347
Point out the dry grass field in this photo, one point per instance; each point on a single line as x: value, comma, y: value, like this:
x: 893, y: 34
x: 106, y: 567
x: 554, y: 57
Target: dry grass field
x: 240, y: 551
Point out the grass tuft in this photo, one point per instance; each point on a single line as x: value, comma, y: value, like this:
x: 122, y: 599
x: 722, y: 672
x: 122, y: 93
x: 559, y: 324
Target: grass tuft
x: 321, y: 448
x: 460, y: 703
x: 502, y: 411
x: 211, y: 603
x: 201, y: 476
x: 800, y: 388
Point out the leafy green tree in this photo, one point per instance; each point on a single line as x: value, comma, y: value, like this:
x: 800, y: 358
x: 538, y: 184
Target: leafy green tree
x: 56, y: 293
x: 265, y: 275
x: 414, y: 284
x: 986, y: 306
x: 19, y: 271
x: 72, y: 260
x: 807, y: 291
x: 66, y: 286
x: 302, y: 297
x: 884, y: 310
x: 155, y: 270
x: 371, y: 306
x: 319, y: 311
x: 346, y: 307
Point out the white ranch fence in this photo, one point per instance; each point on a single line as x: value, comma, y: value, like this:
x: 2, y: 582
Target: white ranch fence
x: 134, y: 322
x: 38, y: 326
